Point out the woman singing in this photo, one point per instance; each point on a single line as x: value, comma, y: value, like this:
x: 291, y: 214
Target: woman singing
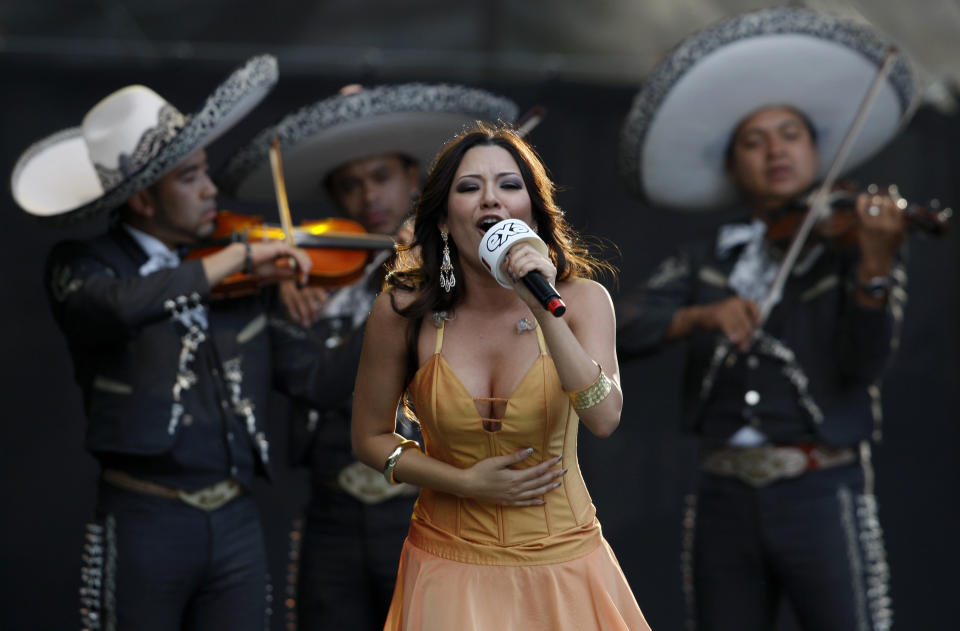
x: 504, y: 534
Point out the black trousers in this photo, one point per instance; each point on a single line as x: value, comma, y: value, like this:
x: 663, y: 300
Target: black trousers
x: 348, y: 561
x: 814, y: 539
x: 157, y: 564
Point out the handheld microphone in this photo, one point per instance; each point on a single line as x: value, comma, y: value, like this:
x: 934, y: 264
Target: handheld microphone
x: 497, y: 242
x: 544, y: 292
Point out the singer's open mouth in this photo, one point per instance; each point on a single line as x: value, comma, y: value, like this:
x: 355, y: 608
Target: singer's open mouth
x: 488, y: 221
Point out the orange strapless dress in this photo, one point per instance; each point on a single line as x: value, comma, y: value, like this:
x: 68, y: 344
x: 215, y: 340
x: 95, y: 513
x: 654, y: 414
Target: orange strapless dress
x: 471, y: 565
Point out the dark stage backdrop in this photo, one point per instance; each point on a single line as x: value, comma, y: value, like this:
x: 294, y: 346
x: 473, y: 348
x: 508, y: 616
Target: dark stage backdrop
x: 638, y: 477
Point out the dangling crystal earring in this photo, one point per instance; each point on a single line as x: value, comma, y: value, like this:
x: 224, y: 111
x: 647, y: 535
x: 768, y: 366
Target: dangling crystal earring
x: 447, y: 279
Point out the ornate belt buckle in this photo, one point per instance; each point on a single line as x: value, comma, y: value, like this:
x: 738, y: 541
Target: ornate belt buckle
x: 212, y: 497
x: 760, y: 466
x: 367, y: 484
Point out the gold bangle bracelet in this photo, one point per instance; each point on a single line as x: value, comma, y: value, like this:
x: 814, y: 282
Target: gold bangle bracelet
x: 592, y: 394
x: 394, y: 456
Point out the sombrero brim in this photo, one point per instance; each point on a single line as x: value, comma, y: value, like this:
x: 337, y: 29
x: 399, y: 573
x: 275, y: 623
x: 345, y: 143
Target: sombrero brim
x: 55, y: 181
x: 410, y: 119
x: 675, y: 136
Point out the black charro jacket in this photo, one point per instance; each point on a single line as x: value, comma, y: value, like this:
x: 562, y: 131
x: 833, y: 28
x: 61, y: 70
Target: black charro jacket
x: 166, y: 395
x: 814, y: 376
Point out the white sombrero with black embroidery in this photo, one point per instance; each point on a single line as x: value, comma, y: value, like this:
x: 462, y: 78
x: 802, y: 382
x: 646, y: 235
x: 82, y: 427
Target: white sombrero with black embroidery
x: 675, y: 136
x: 411, y: 119
x: 126, y: 143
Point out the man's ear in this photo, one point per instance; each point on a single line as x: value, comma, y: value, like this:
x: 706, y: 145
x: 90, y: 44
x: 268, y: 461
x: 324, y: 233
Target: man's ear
x: 143, y: 204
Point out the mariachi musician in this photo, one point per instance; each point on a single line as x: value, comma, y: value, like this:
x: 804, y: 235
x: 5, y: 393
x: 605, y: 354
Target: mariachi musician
x: 174, y: 385
x: 363, y: 149
x: 751, y: 112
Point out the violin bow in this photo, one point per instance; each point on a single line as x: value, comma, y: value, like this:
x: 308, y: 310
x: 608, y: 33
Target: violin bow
x: 818, y: 208
x: 818, y: 202
x: 276, y: 168
x: 526, y: 123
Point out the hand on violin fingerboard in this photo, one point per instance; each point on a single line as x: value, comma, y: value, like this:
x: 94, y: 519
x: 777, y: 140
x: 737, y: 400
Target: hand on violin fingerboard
x: 880, y: 235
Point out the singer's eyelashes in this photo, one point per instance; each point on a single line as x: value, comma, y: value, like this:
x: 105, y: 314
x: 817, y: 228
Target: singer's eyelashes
x: 468, y: 185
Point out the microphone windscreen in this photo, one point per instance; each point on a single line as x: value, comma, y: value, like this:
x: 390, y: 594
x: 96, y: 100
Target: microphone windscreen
x: 498, y: 240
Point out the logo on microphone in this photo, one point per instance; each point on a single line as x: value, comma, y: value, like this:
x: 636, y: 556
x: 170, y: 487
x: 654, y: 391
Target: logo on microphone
x: 496, y: 237
x: 499, y: 239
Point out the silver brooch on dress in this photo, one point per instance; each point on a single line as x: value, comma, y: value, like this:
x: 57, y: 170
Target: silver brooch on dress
x: 524, y: 325
x: 440, y: 316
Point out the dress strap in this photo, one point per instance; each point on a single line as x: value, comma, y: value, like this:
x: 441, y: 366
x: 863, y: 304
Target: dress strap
x: 439, y: 344
x: 541, y: 342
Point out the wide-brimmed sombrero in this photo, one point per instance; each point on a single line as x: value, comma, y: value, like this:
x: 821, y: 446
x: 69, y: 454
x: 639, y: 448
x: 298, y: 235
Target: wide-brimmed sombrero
x: 126, y: 143
x: 675, y: 136
x: 412, y: 119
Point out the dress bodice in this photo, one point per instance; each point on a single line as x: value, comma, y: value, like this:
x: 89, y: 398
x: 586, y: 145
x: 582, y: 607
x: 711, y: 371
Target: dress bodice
x: 537, y: 414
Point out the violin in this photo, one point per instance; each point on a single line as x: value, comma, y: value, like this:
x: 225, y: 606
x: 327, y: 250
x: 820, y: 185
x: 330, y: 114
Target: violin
x: 339, y: 249
x: 840, y: 228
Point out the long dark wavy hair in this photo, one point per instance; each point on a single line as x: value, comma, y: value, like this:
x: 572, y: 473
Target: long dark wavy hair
x: 417, y: 268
